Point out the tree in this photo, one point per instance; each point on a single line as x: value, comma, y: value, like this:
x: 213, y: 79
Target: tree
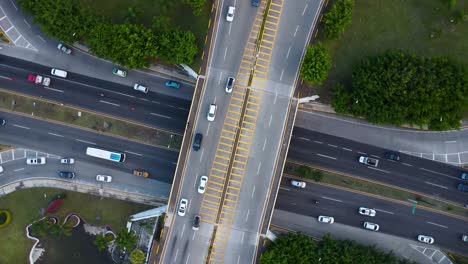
x: 66, y: 20
x: 177, y: 46
x: 338, y: 18
x: 316, y: 64
x: 294, y: 248
x: 125, y: 240
x: 127, y: 44
x: 100, y: 242
x: 341, y: 100
x: 398, y: 88
x: 197, y: 5
x: 137, y: 256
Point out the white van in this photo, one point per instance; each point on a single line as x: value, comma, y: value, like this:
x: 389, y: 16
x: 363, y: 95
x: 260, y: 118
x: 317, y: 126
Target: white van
x: 59, y: 73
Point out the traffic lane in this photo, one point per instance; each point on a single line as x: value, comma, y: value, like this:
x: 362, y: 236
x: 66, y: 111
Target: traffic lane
x: 440, y: 168
x: 61, y: 140
x: 396, y: 173
x: 114, y: 99
x: 393, y: 218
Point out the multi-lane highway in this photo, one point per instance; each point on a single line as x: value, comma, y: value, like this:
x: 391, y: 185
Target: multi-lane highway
x: 111, y: 98
x: 393, y: 218
x: 421, y: 175
x: 31, y: 133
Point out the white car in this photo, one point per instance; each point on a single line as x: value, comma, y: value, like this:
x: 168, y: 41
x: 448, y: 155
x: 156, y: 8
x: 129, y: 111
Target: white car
x: 426, y: 239
x: 103, y: 178
x: 140, y: 88
x: 202, y: 184
x: 371, y: 226
x: 367, y: 211
x: 182, y: 207
x: 211, y: 113
x: 298, y: 184
x: 67, y: 161
x: 230, y: 14
x: 36, y: 161
x: 64, y: 48
x: 1, y: 169
x: 326, y: 219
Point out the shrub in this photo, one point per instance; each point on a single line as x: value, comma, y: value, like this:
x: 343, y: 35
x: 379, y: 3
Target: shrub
x: 338, y: 18
x: 5, y: 218
x: 341, y: 100
x: 317, y: 63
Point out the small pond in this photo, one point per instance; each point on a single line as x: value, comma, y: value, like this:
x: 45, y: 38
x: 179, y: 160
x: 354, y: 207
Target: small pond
x: 75, y: 249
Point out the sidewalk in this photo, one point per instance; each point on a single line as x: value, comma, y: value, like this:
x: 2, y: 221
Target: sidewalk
x: 405, y: 248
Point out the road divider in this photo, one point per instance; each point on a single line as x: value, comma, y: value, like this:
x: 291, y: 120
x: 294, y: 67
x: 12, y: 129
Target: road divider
x: 372, y: 188
x: 56, y: 112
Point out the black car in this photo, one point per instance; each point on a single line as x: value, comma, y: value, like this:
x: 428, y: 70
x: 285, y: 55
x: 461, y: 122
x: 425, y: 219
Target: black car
x: 392, y: 156
x: 196, y: 222
x: 255, y: 2
x: 67, y: 174
x: 197, y: 141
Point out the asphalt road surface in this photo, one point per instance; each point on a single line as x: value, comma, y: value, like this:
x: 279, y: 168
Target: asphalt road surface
x: 152, y: 109
x: 21, y: 131
x: 421, y: 175
x: 393, y: 218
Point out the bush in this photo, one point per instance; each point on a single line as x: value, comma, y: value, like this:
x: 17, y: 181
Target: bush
x: 137, y: 256
x: 341, y: 100
x: 5, y: 218
x: 317, y: 63
x: 338, y: 18
x: 197, y: 5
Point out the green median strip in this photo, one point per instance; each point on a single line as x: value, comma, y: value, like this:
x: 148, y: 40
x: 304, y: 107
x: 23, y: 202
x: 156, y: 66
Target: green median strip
x: 40, y: 108
x: 370, y: 187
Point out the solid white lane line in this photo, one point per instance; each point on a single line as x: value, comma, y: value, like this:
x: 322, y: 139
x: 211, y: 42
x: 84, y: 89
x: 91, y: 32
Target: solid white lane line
x: 259, y: 166
x: 53, y: 89
x: 163, y: 116
x: 333, y: 146
x: 134, y: 153
x: 318, y: 142
x: 332, y: 199
x: 183, y: 230
x: 105, y: 102
x: 21, y: 126
x: 188, y: 257
x: 383, y: 211
x: 303, y: 138
x: 439, y: 225
x: 374, y: 168
x: 18, y: 169
x: 253, y: 191
x: 53, y: 134
x: 437, y: 185
x: 84, y: 141
x: 436, y: 172
x: 325, y: 156
x: 347, y: 149
x: 286, y: 189
x: 406, y: 164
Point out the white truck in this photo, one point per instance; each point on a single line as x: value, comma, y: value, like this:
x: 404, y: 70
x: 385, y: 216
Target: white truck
x: 368, y: 161
x: 38, y: 79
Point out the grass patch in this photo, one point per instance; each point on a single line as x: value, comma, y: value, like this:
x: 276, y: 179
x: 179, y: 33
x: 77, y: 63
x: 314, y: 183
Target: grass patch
x: 377, y: 25
x: 68, y: 115
x: 378, y: 189
x: 4, y: 147
x: 458, y: 259
x: 179, y: 14
x: 25, y: 206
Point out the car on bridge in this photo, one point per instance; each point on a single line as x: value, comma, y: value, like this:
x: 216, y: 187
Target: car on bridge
x: 197, y: 140
x: 196, y: 223
x: 230, y: 84
x: 211, y: 113
x: 182, y: 207
x: 202, y: 184
x: 230, y: 13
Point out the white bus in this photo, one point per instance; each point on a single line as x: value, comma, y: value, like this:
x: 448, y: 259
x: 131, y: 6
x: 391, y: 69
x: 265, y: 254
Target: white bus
x: 104, y: 154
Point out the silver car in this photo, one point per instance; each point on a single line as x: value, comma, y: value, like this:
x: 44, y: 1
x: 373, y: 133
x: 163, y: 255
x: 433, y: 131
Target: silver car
x: 367, y: 211
x: 371, y: 226
x: 182, y: 207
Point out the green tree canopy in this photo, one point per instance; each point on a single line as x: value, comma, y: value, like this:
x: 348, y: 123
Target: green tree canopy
x: 127, y: 44
x: 338, y: 18
x: 126, y: 239
x: 197, y: 5
x: 177, y: 46
x: 297, y: 248
x: 100, y: 242
x: 316, y: 64
x: 63, y: 19
x: 398, y: 88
